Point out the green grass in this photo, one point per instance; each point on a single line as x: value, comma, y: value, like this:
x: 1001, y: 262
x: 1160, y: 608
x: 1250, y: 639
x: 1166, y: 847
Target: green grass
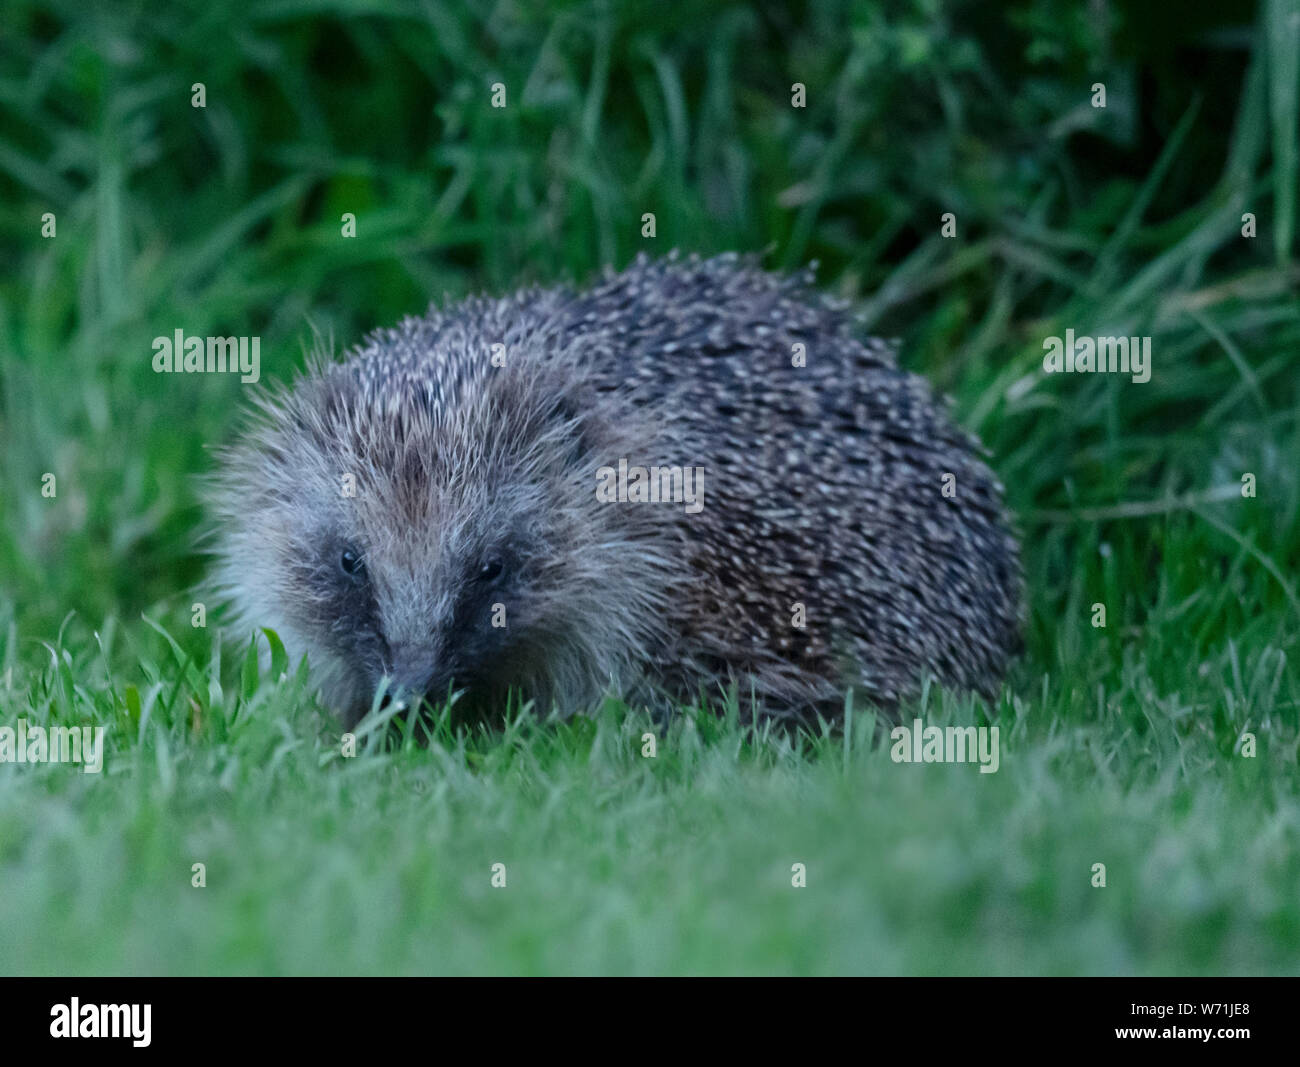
x: 1119, y: 745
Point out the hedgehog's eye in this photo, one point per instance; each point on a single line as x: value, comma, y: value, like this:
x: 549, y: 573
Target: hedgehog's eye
x: 351, y: 563
x: 491, y: 569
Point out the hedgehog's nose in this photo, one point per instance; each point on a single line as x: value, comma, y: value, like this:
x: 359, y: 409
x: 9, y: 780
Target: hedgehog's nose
x: 412, y: 670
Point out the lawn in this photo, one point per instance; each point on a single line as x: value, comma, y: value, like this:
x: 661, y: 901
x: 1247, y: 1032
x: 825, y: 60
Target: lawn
x: 1162, y: 744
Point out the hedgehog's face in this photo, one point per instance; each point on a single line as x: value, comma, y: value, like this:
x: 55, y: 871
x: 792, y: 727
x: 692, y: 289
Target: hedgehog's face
x: 423, y: 653
x: 455, y: 600
x: 456, y: 545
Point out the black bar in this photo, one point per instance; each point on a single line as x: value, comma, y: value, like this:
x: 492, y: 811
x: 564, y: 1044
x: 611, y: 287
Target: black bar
x: 342, y: 1016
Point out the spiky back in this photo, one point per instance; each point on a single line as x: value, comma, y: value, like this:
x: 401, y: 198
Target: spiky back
x: 825, y: 485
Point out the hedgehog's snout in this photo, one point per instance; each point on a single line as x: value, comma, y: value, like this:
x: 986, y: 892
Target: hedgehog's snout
x: 412, y: 668
x: 417, y: 671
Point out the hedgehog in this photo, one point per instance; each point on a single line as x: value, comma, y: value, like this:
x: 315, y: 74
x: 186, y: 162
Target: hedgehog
x: 692, y: 479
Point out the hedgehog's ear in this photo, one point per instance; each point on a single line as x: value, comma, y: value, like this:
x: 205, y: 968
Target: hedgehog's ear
x: 582, y: 419
x: 566, y: 409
